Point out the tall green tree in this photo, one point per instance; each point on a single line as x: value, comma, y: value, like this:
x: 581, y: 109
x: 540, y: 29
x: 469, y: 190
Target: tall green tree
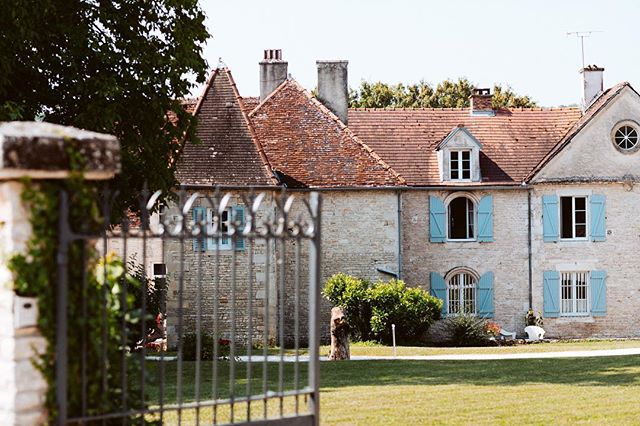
x: 109, y: 66
x: 446, y: 94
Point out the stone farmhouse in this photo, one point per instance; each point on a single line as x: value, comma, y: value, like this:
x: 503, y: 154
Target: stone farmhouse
x: 493, y: 211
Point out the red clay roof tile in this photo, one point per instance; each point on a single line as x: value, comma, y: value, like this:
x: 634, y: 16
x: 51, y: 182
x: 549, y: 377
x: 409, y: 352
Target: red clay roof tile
x: 308, y: 146
x: 514, y: 141
x: 228, y: 153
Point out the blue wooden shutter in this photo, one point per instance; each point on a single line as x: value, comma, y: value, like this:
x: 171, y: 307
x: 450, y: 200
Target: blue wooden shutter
x: 598, y: 293
x: 551, y: 294
x: 550, y: 218
x: 199, y: 215
x: 485, y: 296
x: 437, y: 220
x: 439, y: 289
x: 485, y: 219
x: 597, y: 213
x: 239, y: 218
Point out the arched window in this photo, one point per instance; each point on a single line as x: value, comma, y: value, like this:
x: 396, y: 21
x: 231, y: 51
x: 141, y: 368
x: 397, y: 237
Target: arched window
x: 461, y: 292
x: 461, y: 218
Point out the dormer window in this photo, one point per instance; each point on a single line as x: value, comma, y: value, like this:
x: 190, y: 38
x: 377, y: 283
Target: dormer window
x: 459, y: 156
x: 460, y: 165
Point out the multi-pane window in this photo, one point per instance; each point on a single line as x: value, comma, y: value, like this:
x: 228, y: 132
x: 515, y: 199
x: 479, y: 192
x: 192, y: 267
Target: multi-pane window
x: 574, y: 293
x: 460, y: 165
x: 573, y: 217
x: 224, y: 243
x: 461, y: 219
x: 461, y: 294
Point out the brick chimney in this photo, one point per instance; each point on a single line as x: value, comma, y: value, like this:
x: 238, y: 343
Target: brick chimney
x: 273, y: 72
x: 592, y: 84
x: 332, y: 87
x: 481, y: 102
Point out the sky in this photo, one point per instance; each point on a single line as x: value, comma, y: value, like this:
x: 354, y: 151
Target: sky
x: 520, y: 43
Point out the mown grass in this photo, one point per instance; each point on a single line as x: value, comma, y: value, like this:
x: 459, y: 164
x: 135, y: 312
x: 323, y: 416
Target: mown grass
x: 531, y: 391
x: 373, y: 349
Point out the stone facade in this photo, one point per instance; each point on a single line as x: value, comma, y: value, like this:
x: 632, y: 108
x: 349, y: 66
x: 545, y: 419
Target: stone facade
x: 506, y: 256
x: 359, y: 237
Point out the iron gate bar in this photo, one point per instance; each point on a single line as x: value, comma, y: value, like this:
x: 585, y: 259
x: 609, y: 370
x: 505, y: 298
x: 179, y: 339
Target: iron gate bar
x: 277, y: 231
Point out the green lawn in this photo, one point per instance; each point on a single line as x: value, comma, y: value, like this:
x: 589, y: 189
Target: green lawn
x: 546, y: 391
x: 371, y: 349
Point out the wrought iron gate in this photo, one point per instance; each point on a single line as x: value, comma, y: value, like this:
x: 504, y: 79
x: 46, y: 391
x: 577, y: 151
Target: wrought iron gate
x: 208, y: 307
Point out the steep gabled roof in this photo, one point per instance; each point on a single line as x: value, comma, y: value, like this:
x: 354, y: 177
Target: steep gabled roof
x: 228, y: 153
x: 596, y: 106
x: 513, y: 141
x: 308, y: 146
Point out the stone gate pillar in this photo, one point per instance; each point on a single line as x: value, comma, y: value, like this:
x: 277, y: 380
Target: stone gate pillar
x: 39, y: 151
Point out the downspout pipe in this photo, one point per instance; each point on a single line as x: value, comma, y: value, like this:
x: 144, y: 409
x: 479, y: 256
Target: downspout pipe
x: 530, y: 249
x: 399, y: 202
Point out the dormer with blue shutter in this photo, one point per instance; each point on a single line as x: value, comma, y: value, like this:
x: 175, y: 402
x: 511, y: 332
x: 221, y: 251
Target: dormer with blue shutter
x: 459, y: 156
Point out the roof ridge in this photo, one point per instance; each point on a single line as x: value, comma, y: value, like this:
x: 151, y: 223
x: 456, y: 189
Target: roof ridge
x: 348, y: 131
x: 263, y: 157
x: 456, y: 109
x: 269, y: 96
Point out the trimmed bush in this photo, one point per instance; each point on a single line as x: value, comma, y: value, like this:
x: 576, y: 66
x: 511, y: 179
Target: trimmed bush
x: 351, y: 294
x: 412, y: 310
x: 372, y: 308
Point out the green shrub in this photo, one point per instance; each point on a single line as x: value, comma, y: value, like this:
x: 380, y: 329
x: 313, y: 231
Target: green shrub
x: 372, y: 308
x: 350, y: 293
x: 466, y: 330
x: 412, y: 310
x: 189, y: 347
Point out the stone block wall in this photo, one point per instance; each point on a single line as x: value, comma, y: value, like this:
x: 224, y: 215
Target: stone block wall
x: 617, y: 255
x: 506, y: 256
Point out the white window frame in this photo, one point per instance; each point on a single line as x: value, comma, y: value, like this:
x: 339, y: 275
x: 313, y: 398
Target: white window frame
x: 573, y: 217
x: 224, y: 242
x: 459, y: 167
x: 571, y: 308
x: 469, y: 282
x: 473, y: 202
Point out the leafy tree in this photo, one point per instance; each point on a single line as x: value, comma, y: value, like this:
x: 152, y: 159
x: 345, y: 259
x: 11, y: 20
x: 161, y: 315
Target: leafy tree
x: 109, y: 66
x: 447, y: 94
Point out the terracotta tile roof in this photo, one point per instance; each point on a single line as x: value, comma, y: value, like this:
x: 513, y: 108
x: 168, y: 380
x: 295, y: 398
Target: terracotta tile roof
x: 308, y: 146
x: 596, y: 106
x: 514, y: 141
x: 249, y: 103
x: 228, y: 153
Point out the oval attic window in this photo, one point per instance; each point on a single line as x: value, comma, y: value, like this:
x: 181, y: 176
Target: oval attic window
x: 625, y: 137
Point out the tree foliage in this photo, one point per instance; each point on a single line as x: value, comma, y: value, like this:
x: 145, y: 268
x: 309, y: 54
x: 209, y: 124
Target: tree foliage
x: 446, y: 94
x: 110, y: 66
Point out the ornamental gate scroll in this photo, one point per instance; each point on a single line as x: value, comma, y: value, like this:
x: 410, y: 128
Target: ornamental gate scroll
x: 184, y: 340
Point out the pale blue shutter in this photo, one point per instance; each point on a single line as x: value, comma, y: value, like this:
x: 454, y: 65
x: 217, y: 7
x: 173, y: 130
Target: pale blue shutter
x: 439, y: 289
x: 598, y: 293
x: 550, y: 218
x: 485, y: 296
x: 437, y: 220
x: 551, y: 294
x: 597, y: 213
x: 239, y: 218
x: 485, y: 219
x: 199, y: 215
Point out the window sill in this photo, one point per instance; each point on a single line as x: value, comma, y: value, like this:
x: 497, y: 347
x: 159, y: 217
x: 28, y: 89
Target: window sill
x: 568, y: 319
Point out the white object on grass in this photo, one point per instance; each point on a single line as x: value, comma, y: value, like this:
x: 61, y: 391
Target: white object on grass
x: 393, y: 334
x: 534, y: 332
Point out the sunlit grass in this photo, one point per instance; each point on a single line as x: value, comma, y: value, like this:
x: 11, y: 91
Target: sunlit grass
x: 532, y: 391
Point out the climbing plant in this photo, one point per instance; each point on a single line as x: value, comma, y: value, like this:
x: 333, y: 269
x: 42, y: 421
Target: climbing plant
x: 103, y: 313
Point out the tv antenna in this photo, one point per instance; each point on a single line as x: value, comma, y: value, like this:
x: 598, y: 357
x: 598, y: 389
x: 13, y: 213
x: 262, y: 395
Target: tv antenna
x: 581, y: 35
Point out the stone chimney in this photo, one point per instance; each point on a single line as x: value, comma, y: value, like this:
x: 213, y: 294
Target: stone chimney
x: 273, y: 72
x: 333, y: 91
x: 592, y: 84
x: 481, y: 102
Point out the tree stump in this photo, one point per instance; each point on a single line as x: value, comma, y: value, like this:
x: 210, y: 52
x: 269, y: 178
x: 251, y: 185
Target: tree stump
x: 339, y: 335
